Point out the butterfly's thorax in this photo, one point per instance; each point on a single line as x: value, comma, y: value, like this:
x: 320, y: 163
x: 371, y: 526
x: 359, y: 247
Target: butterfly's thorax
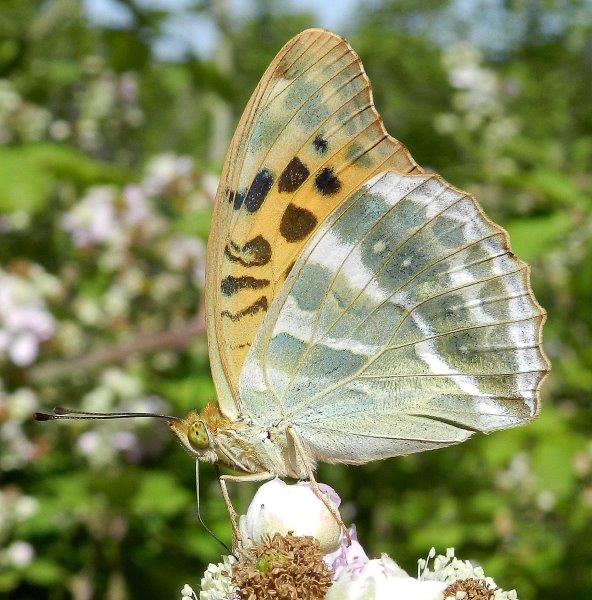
x: 247, y: 446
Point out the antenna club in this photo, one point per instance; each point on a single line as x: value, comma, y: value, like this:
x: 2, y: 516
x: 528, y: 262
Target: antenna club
x: 39, y: 416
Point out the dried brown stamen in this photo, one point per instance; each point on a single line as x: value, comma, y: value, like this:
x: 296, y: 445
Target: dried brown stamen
x: 282, y: 568
x: 474, y: 590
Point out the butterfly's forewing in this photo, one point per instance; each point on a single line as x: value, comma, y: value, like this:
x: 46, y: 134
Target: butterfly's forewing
x: 406, y: 324
x: 309, y: 136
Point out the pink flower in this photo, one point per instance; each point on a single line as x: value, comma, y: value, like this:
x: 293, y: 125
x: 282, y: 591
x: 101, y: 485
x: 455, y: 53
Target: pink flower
x: 381, y: 579
x: 347, y: 554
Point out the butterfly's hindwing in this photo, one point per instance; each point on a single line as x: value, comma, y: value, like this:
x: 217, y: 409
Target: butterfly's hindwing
x: 406, y: 323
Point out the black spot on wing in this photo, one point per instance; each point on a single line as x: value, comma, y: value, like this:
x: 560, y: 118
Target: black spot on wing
x: 258, y: 190
x: 254, y: 253
x: 293, y: 176
x: 239, y: 198
x: 231, y: 285
x: 297, y: 223
x: 327, y: 183
x: 320, y: 144
x: 258, y: 305
x: 235, y: 198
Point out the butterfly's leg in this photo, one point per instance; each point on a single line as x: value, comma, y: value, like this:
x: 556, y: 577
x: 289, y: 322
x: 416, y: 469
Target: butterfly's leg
x: 300, y: 450
x: 252, y: 477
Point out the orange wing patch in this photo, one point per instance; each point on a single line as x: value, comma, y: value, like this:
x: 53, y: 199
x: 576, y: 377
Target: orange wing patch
x: 308, y: 138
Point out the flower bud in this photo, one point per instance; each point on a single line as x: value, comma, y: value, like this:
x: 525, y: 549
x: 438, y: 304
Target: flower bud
x: 281, y: 508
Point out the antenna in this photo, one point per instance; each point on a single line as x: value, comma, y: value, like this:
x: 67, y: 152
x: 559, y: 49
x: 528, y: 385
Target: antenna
x: 60, y: 413
x: 68, y: 413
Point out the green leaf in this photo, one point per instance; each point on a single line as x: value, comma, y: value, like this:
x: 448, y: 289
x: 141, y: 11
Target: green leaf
x: 190, y: 393
x: 24, y: 184
x: 44, y: 571
x: 160, y: 493
x: 532, y: 237
x: 28, y: 174
x: 8, y: 580
x: 197, y: 223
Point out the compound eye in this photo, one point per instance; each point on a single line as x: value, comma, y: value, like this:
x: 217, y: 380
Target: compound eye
x: 198, y: 436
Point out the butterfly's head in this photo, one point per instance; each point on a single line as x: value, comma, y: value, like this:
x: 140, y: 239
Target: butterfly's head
x: 195, y: 436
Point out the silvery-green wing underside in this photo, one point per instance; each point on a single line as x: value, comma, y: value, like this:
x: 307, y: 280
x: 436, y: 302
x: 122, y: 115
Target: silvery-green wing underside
x: 406, y: 324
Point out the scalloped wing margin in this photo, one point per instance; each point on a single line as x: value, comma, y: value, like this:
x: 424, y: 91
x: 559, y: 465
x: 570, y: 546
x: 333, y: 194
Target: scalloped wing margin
x: 406, y: 324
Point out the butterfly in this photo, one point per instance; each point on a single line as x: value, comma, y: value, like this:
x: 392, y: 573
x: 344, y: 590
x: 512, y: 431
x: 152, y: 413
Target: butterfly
x: 357, y: 307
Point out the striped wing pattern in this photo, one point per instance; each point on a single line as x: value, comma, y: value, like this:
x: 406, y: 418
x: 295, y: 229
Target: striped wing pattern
x: 309, y: 136
x: 406, y: 324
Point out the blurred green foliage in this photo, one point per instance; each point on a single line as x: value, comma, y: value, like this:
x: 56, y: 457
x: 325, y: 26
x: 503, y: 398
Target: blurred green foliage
x: 108, y: 158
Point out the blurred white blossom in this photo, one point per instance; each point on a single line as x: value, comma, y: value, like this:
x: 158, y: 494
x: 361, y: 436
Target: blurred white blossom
x: 136, y: 208
x: 130, y: 439
x: 93, y: 220
x: 16, y: 448
x: 25, y: 321
x: 186, y: 253
x: 20, y: 119
x: 18, y: 554
x: 104, y: 216
x: 167, y: 170
x: 479, y: 99
x: 60, y: 130
x: 15, y: 508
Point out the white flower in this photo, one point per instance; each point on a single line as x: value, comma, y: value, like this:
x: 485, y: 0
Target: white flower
x: 10, y: 100
x: 23, y: 350
x: 136, y: 209
x: 93, y: 220
x: 381, y: 579
x: 449, y: 569
x: 183, y: 251
x: 21, y: 404
x: 25, y: 507
x: 187, y: 592
x: 60, y: 129
x: 19, y: 554
x: 216, y: 583
x: 24, y: 320
x: 166, y: 169
x: 210, y: 183
x: 128, y: 87
x: 281, y: 508
x: 89, y: 442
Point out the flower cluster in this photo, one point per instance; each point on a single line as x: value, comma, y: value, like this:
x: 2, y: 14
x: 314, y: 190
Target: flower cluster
x: 19, y: 119
x: 107, y: 103
x: 25, y: 321
x: 463, y: 579
x: 103, y: 215
x: 15, y: 508
x: 479, y: 102
x: 272, y: 563
x: 131, y: 440
x: 16, y: 408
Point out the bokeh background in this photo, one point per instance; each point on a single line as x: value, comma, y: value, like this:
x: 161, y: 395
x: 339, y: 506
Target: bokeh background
x: 114, y: 120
